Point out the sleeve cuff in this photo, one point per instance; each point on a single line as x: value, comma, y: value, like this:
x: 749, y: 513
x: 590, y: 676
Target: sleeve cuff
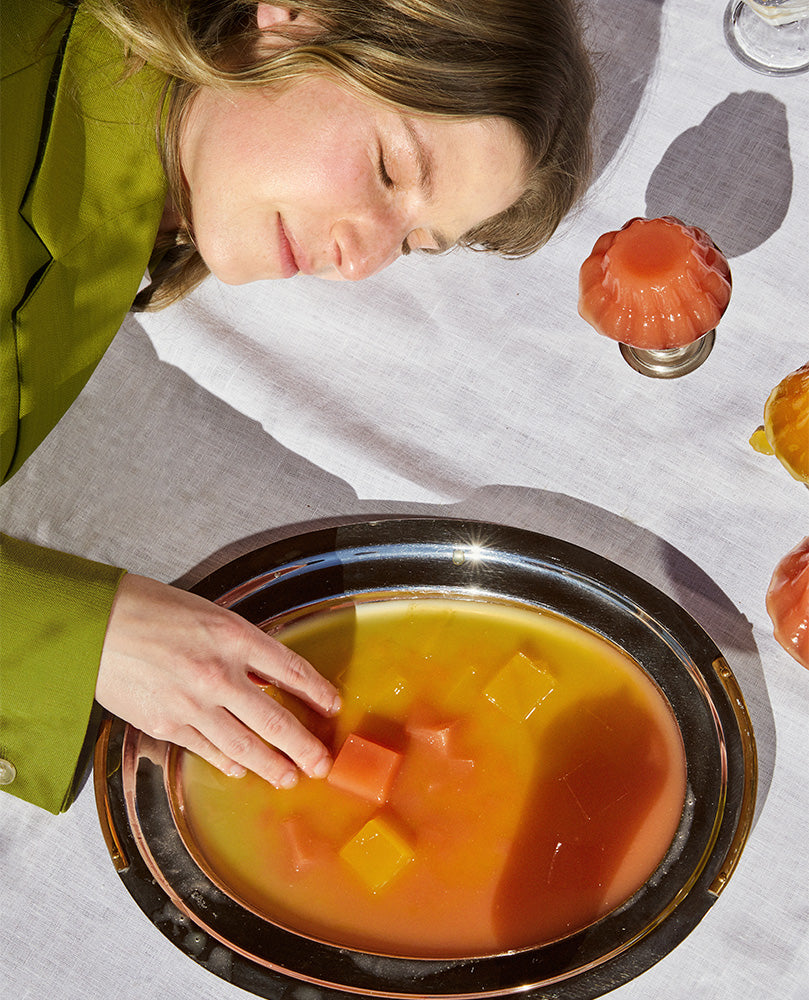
x: 55, y: 608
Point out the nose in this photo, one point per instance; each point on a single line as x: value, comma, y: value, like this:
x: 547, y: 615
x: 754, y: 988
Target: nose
x: 366, y: 246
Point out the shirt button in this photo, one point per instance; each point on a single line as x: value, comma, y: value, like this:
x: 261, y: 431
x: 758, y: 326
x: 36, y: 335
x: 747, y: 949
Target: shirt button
x: 8, y: 772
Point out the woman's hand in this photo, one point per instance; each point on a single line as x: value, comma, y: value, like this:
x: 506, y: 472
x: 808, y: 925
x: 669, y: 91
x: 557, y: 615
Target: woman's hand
x: 177, y: 667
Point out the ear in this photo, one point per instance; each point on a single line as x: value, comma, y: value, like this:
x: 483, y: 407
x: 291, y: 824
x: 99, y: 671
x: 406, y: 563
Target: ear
x: 270, y: 17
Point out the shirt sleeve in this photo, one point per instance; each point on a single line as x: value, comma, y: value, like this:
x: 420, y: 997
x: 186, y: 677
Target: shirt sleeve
x: 54, y: 610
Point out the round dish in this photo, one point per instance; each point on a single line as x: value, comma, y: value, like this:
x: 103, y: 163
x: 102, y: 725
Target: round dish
x: 386, y: 559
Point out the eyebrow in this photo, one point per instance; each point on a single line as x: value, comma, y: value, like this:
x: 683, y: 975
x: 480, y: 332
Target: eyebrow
x: 426, y: 169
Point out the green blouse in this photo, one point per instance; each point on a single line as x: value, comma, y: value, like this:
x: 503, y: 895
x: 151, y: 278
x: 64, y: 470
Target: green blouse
x: 82, y: 197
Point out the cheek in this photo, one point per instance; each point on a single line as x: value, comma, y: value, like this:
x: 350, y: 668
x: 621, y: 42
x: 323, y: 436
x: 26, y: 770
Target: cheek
x: 221, y: 144
x: 322, y: 158
x: 258, y: 151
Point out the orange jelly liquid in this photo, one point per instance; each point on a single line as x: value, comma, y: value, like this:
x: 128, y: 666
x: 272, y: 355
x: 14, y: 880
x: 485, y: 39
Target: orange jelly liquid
x: 518, y: 830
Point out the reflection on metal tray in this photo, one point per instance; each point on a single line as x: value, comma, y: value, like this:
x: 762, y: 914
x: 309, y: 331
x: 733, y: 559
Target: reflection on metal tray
x: 424, y: 556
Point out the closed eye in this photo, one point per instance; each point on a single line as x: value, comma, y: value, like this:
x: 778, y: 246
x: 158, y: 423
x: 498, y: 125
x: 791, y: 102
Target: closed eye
x: 384, y: 176
x: 406, y: 249
x: 425, y: 242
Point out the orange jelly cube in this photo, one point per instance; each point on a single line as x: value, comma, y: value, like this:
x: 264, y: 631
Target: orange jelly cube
x: 377, y: 853
x: 365, y: 768
x: 519, y: 687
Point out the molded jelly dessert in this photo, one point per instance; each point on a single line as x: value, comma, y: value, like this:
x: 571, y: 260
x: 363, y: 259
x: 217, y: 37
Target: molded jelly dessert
x: 654, y: 284
x: 785, y: 431
x: 788, y: 602
x: 525, y: 779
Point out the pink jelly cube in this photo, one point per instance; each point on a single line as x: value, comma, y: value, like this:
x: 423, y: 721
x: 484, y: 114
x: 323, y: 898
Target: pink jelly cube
x: 304, y: 847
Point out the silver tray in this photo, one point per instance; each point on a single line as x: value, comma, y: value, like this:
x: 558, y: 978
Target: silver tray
x: 374, y: 560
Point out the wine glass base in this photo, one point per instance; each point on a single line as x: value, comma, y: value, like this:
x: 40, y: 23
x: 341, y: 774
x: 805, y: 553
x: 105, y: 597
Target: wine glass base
x: 774, y: 49
x: 671, y: 362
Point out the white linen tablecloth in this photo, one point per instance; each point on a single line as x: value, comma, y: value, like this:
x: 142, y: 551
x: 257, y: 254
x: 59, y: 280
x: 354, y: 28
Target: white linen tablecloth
x: 468, y: 386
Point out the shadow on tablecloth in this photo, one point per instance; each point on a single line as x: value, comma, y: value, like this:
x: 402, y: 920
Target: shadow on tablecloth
x: 731, y: 174
x: 624, y: 39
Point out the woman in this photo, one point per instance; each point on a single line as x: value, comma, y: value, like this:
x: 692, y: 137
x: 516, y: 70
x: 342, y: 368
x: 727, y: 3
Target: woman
x: 328, y: 139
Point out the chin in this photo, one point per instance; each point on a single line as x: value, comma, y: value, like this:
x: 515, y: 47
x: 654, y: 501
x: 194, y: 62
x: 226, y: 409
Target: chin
x: 227, y: 269
x: 230, y: 275
x: 230, y: 280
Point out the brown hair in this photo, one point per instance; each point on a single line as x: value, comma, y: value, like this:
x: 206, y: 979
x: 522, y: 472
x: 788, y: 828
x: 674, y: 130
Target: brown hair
x: 523, y: 60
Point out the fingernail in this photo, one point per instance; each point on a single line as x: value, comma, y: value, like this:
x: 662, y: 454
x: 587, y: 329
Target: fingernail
x: 336, y: 705
x: 236, y: 771
x: 322, y: 768
x: 289, y: 780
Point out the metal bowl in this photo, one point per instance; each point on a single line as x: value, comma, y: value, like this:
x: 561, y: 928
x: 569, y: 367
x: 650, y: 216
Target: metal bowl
x: 429, y: 557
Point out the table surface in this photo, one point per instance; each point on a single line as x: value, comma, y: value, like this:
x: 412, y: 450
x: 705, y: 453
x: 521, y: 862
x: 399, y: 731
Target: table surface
x: 468, y: 386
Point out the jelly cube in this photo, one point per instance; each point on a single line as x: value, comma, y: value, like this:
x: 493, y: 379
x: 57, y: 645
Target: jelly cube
x: 384, y: 693
x: 431, y: 729
x: 598, y: 781
x: 422, y: 639
x: 519, y: 687
x: 596, y: 785
x: 464, y: 691
x: 375, y: 684
x: 365, y: 768
x: 377, y: 853
x: 304, y: 847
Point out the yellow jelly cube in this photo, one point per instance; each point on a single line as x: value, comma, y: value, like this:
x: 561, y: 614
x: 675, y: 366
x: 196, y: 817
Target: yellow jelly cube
x: 377, y: 853
x: 519, y: 687
x: 374, y: 683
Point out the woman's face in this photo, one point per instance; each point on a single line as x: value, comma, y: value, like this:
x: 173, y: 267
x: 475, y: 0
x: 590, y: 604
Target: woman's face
x: 319, y: 180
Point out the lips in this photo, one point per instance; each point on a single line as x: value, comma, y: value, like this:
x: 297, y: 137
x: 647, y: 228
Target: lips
x: 288, y: 262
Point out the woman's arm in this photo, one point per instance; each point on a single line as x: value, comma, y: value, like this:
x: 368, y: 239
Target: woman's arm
x: 169, y: 662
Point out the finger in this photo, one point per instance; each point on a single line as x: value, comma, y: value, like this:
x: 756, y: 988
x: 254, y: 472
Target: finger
x: 277, y: 726
x: 193, y: 740
x: 268, y: 742
x: 283, y: 667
